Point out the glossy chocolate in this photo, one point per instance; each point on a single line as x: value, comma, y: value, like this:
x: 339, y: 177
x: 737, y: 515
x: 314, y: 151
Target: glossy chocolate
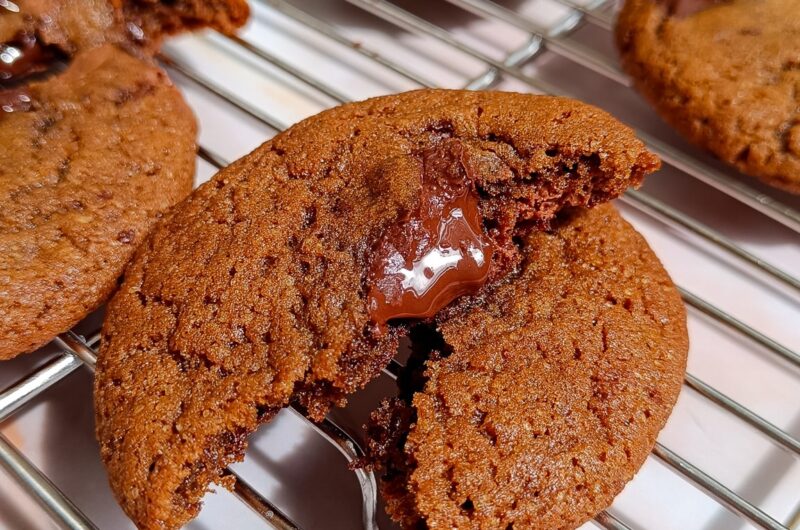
x: 14, y: 100
x: 685, y: 8
x: 23, y: 56
x: 439, y: 251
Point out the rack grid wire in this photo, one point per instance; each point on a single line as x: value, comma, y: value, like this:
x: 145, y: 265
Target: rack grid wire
x: 560, y: 38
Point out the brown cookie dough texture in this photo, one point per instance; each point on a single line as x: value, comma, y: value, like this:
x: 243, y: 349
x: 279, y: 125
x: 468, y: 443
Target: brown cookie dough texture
x: 252, y: 293
x: 103, y: 149
x: 550, y: 394
x: 727, y: 77
x: 74, y: 25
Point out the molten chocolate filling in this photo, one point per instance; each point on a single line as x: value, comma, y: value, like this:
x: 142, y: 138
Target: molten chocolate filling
x: 23, y: 56
x: 14, y: 100
x: 438, y: 252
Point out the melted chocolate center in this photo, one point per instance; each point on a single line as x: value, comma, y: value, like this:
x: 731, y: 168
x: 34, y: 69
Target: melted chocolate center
x: 23, y: 56
x: 685, y: 8
x: 439, y: 251
x: 14, y: 100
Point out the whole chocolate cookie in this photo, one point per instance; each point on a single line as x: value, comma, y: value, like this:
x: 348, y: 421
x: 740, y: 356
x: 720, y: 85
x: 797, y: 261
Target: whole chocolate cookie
x: 540, y: 403
x: 90, y: 159
x: 725, y: 74
x: 33, y: 32
x: 287, y: 276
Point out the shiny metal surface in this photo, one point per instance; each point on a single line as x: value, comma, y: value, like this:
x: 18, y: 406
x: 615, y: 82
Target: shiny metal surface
x: 15, y: 396
x: 62, y: 510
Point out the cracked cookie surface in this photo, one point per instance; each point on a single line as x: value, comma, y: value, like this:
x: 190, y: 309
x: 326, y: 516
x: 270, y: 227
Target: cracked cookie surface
x: 727, y: 77
x: 253, y: 293
x: 88, y: 164
x: 543, y: 400
x: 79, y: 25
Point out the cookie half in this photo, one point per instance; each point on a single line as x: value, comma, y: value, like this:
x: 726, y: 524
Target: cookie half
x: 724, y: 74
x: 278, y: 280
x: 90, y: 159
x: 36, y: 31
x: 542, y: 401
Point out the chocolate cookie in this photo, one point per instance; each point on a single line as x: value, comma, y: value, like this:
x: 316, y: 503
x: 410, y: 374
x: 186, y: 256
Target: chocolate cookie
x: 725, y: 74
x: 90, y: 159
x: 32, y: 32
x: 541, y: 402
x: 285, y: 277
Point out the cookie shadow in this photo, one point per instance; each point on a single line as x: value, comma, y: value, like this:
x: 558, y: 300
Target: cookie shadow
x: 343, y: 14
x: 760, y: 484
x: 71, y: 453
x: 310, y: 479
x: 14, y: 516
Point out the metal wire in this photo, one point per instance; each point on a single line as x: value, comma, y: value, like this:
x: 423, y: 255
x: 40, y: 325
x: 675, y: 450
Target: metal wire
x: 780, y: 437
x: 260, y: 504
x: 717, y: 490
x: 332, y: 33
x: 564, y: 47
x: 685, y: 222
x: 61, y: 509
x: 28, y: 476
x: 288, y: 68
x: 80, y: 349
x: 740, y: 327
x: 591, y: 14
x: 23, y: 391
x: 29, y: 387
x: 672, y: 216
x: 228, y: 96
x: 609, y: 522
x: 352, y: 451
x: 760, y: 202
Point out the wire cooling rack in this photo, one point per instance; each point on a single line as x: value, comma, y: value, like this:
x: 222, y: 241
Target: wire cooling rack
x: 728, y: 457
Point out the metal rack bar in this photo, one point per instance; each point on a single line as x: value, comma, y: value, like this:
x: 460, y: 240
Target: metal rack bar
x: 690, y: 298
x: 42, y: 489
x: 26, y: 389
x: 288, y: 68
x: 717, y: 490
x: 323, y: 28
x: 782, y: 438
x: 566, y: 48
x: 23, y: 391
x: 653, y: 207
x: 590, y: 13
x: 518, y: 56
x: 609, y: 522
x: 642, y: 201
x: 740, y: 327
x: 760, y: 202
x: 705, y: 482
x: 271, y: 514
x: 347, y: 445
x: 31, y: 386
x: 221, y: 93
